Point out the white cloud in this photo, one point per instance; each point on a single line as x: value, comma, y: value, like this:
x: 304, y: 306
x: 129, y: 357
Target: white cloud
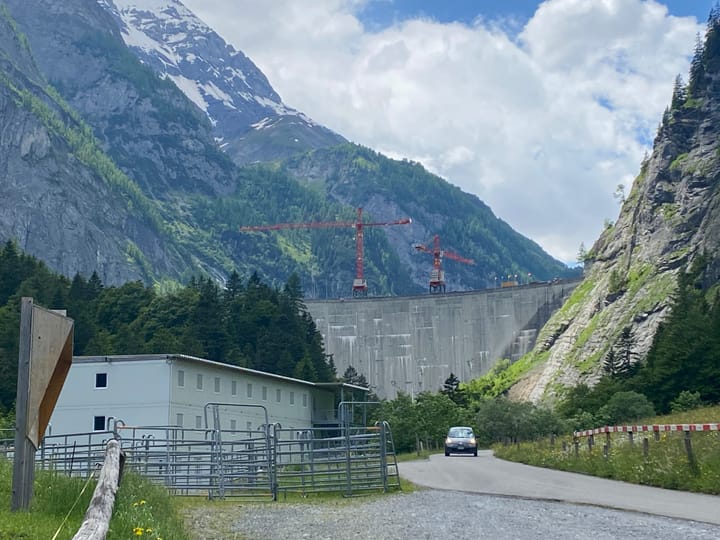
x: 542, y: 126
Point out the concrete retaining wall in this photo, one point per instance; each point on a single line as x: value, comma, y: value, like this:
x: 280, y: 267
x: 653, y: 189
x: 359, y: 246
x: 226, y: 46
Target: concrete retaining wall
x: 412, y: 344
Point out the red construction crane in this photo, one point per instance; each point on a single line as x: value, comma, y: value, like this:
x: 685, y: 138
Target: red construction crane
x: 437, y: 276
x: 359, y: 287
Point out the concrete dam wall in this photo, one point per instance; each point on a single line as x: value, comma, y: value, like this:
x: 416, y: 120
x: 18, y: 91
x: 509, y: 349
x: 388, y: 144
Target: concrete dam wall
x: 412, y: 344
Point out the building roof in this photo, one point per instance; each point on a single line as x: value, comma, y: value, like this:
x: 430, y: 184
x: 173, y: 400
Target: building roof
x: 204, y: 361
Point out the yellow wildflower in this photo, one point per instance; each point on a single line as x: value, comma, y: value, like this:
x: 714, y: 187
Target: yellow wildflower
x: 138, y: 531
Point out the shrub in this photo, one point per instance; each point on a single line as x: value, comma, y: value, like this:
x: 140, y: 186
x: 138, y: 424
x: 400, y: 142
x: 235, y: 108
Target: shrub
x: 625, y: 406
x: 686, y: 401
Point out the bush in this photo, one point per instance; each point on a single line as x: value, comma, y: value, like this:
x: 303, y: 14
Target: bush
x: 686, y: 401
x: 502, y: 420
x: 624, y: 407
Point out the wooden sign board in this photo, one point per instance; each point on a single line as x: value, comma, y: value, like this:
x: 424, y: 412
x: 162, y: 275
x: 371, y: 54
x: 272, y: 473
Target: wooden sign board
x: 50, y: 360
x: 44, y: 359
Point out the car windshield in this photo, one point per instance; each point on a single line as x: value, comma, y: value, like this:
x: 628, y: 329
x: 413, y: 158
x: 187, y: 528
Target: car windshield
x: 460, y: 433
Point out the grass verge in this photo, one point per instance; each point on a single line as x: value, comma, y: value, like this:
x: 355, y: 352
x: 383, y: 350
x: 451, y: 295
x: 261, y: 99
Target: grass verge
x: 662, y: 463
x: 141, y: 509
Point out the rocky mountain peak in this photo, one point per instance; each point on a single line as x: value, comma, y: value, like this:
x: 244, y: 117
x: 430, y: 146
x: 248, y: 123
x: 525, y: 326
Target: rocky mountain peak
x: 224, y: 83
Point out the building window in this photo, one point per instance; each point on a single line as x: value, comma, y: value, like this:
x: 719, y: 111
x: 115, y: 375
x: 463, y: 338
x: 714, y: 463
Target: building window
x: 264, y: 393
x: 233, y: 424
x: 304, y: 400
x: 249, y: 390
x: 249, y: 426
x: 198, y: 422
x: 98, y: 423
x: 101, y: 380
x: 292, y: 398
x: 233, y: 388
x: 217, y: 385
x: 278, y: 395
x: 180, y: 419
x: 199, y: 381
x: 181, y: 378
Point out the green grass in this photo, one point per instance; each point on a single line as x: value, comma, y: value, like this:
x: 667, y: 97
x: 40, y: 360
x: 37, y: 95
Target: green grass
x: 138, y: 504
x: 666, y: 464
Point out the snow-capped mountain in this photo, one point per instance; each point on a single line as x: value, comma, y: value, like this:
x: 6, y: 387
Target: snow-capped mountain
x: 250, y: 120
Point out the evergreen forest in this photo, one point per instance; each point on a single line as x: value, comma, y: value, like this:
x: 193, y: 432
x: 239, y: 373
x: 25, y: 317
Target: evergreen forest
x: 247, y: 323
x: 250, y: 324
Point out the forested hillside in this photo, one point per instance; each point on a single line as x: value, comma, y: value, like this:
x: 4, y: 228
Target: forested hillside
x: 113, y: 169
x: 358, y: 176
x: 248, y: 323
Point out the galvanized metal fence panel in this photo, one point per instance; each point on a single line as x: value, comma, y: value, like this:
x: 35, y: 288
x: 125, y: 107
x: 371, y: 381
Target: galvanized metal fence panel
x: 235, y: 463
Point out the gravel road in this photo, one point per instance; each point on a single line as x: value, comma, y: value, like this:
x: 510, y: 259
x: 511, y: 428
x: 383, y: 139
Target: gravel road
x: 433, y: 514
x: 471, y: 498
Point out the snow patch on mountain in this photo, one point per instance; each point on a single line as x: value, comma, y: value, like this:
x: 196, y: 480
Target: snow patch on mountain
x: 221, y: 81
x: 174, y: 40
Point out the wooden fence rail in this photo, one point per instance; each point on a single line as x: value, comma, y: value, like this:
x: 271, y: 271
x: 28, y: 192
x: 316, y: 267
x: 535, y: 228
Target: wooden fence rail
x: 97, y: 518
x: 656, y: 429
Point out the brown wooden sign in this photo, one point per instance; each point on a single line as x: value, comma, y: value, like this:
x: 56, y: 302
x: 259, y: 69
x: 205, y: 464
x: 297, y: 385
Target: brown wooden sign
x: 50, y: 360
x: 44, y: 359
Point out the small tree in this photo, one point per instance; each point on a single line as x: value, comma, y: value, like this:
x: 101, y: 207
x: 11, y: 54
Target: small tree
x: 619, y: 193
x: 679, y: 94
x: 451, y: 388
x: 624, y: 407
x: 686, y: 401
x: 611, y: 362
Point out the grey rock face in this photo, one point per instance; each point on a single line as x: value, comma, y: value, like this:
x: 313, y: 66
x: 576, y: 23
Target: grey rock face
x: 671, y: 217
x: 249, y: 119
x: 145, y: 124
x: 50, y: 205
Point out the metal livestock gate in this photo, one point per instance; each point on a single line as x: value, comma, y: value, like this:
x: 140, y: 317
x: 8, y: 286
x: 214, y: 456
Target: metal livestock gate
x: 258, y: 464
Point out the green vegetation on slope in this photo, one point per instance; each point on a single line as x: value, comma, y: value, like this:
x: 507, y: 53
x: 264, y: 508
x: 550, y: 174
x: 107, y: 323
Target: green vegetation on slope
x: 354, y: 174
x: 248, y: 324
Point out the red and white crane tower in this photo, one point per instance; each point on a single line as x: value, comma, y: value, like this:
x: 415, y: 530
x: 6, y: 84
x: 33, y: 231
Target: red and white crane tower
x: 359, y: 287
x: 437, y: 276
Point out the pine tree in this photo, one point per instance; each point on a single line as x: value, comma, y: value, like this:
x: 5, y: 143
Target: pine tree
x: 626, y: 355
x: 696, y: 82
x: 611, y: 362
x: 679, y: 96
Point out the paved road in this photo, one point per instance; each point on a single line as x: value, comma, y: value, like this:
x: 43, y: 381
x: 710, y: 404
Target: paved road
x: 488, y: 475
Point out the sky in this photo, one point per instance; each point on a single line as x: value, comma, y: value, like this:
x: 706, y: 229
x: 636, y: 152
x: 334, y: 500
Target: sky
x: 541, y: 109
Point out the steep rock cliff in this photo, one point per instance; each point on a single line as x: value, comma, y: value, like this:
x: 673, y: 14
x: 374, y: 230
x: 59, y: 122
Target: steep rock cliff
x: 670, y: 218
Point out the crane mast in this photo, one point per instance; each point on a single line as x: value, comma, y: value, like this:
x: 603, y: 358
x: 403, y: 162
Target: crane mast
x: 359, y: 287
x: 437, y: 275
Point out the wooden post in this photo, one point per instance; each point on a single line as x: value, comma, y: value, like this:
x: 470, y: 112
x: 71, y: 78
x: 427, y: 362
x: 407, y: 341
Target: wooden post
x: 97, y: 518
x: 24, y: 462
x: 692, y: 462
x: 577, y: 448
x: 646, y: 447
x: 631, y: 438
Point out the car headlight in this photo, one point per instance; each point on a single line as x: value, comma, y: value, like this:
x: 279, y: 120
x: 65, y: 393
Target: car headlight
x: 473, y: 441
x: 448, y: 441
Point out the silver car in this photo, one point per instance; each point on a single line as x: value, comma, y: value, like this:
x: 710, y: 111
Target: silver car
x: 460, y: 440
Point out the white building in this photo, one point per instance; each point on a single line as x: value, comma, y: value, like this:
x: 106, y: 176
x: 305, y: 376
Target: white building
x: 174, y: 390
